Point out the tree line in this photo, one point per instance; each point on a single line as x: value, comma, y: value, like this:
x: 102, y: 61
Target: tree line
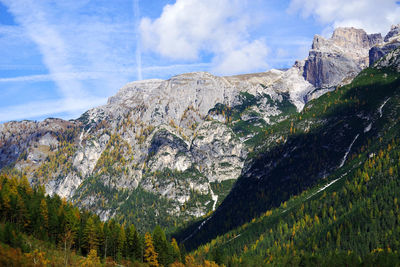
x: 29, y: 212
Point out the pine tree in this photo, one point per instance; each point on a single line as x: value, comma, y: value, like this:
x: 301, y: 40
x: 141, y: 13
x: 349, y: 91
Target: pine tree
x: 162, y: 246
x: 150, y: 254
x: 90, y: 235
x: 44, y: 213
x: 133, y: 246
x: 121, y: 243
x: 176, y: 253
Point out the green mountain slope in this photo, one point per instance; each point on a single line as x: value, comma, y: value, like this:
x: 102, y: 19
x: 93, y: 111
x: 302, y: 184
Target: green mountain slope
x: 332, y: 136
x: 353, y: 219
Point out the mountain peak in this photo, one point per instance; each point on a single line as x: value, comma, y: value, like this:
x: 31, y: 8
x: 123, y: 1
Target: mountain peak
x: 391, y: 42
x: 394, y: 32
x: 333, y: 61
x: 355, y: 38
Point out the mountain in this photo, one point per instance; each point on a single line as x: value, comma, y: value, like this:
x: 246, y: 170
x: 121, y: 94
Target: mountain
x: 348, y: 217
x: 325, y: 196
x: 390, y: 43
x: 282, y: 168
x: 326, y: 142
x: 168, y: 151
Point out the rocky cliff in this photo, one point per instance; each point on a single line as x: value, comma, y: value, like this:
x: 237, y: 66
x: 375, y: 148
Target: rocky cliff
x: 391, y: 42
x: 339, y: 59
x: 164, y: 151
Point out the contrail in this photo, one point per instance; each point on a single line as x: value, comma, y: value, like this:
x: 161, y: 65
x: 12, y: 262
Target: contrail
x: 136, y: 13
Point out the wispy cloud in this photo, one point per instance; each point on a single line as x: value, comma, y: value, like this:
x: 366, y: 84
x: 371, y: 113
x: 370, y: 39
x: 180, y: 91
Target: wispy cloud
x: 84, y: 76
x: 83, y: 53
x: 56, y: 76
x: 70, y: 109
x: 50, y: 42
x: 136, y: 12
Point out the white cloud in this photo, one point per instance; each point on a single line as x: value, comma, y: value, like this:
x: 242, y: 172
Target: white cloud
x: 370, y: 15
x: 250, y: 56
x: 190, y: 29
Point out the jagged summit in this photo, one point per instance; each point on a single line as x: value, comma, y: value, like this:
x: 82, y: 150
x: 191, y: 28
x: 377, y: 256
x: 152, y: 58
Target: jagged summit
x: 391, y: 42
x: 353, y: 38
x: 337, y: 60
x: 394, y: 32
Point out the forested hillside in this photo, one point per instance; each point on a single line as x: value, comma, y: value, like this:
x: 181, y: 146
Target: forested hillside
x: 39, y: 230
x: 327, y: 194
x: 353, y: 219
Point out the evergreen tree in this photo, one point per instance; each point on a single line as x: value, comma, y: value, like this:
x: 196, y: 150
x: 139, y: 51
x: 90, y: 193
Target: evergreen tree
x: 92, y: 260
x: 150, y: 254
x: 121, y: 243
x: 175, y: 251
x: 162, y: 246
x: 90, y: 236
x: 132, y: 243
x: 44, y: 213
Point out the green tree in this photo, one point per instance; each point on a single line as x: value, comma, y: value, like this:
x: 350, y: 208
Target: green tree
x: 90, y: 235
x: 133, y: 244
x: 162, y: 246
x: 44, y: 215
x: 121, y: 243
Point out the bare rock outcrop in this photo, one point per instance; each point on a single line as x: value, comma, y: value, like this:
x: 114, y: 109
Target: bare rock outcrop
x: 392, y: 60
x: 344, y: 55
x: 391, y: 42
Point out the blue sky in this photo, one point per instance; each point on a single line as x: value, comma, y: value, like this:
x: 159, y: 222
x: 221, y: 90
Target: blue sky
x: 60, y: 58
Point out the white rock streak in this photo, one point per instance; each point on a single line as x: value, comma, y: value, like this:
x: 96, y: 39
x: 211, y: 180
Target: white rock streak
x: 233, y: 238
x: 368, y: 128
x: 326, y: 186
x: 348, y: 151
x: 198, y: 228
x: 82, y: 135
x: 213, y: 197
x: 80, y: 139
x: 381, y: 107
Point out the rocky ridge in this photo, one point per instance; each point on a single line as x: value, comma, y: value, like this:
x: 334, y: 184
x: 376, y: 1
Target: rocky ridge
x: 339, y: 59
x: 391, y: 42
x: 180, y: 140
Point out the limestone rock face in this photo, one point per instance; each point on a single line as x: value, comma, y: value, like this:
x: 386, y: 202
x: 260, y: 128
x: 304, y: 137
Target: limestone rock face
x: 150, y: 135
x: 392, y: 59
x: 344, y: 55
x: 162, y: 101
x: 394, y: 32
x: 391, y: 42
x: 30, y: 140
x: 351, y: 38
x: 377, y: 52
